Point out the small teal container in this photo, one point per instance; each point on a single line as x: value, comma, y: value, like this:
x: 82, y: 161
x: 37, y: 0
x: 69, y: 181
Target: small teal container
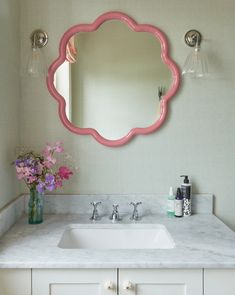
x: 171, y: 203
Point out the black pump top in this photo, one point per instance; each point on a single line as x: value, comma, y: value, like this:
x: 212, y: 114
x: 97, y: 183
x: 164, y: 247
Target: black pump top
x: 186, y: 180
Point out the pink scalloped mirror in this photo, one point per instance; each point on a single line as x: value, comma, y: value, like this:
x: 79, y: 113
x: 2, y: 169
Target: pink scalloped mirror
x: 113, y: 79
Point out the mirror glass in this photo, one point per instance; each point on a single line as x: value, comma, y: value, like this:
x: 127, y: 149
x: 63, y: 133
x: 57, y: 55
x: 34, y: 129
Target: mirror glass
x: 113, y: 79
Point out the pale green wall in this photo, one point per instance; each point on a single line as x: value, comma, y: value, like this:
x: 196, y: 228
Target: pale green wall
x: 9, y: 97
x: 198, y: 136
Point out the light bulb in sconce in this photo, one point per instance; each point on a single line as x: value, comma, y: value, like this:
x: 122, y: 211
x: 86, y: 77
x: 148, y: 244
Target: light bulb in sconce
x: 36, y: 63
x: 36, y: 66
x: 196, y: 64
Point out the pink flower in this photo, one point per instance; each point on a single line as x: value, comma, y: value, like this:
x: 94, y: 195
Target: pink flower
x: 64, y: 172
x: 50, y: 149
x: 50, y: 161
x: 20, y: 176
x: 47, y: 151
x: 58, y: 147
x: 58, y: 183
x: 31, y: 179
x: 27, y: 171
x: 22, y: 172
x: 40, y: 168
x: 19, y: 169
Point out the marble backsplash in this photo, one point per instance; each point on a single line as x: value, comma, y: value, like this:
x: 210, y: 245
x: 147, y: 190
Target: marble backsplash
x: 80, y: 204
x: 11, y: 213
x: 151, y: 203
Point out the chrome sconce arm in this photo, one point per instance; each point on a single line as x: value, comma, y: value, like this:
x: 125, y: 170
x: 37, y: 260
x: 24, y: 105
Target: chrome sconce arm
x: 39, y: 38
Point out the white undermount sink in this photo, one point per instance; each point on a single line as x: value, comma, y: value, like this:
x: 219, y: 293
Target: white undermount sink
x: 116, y: 236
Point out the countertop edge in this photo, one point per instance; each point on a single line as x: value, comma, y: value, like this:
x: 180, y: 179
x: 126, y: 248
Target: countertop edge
x: 114, y: 265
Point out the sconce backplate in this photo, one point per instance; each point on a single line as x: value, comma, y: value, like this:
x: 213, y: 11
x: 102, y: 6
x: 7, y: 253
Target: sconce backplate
x: 192, y: 37
x: 39, y: 38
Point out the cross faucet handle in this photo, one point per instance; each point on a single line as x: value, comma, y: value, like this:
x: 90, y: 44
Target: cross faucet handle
x: 95, y: 215
x: 135, y: 214
x: 135, y: 204
x: 95, y: 204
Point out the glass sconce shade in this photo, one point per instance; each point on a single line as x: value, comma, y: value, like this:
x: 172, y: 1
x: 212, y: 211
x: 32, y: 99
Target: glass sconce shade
x: 196, y: 65
x: 36, y: 63
x: 36, y: 66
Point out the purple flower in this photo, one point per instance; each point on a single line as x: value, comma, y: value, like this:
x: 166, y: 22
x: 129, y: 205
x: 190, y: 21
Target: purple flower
x: 50, y: 187
x: 17, y: 162
x: 34, y: 170
x: 50, y: 182
x: 49, y: 178
x: 27, y: 162
x: 40, y: 187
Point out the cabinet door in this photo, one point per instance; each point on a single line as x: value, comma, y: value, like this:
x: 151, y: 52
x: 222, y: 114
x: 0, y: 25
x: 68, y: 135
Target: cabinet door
x: 160, y: 282
x: 219, y: 281
x: 74, y: 282
x: 15, y: 281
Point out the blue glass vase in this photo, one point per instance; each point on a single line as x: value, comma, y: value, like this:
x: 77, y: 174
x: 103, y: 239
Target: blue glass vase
x: 35, y: 210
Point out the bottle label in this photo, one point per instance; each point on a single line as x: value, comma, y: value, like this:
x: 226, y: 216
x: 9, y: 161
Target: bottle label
x: 179, y: 208
x: 186, y: 191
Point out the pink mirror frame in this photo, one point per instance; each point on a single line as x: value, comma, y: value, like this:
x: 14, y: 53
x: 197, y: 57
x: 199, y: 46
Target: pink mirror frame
x: 137, y: 28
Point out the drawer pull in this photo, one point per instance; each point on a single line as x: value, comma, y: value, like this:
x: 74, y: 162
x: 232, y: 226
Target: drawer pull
x: 127, y: 285
x: 109, y: 285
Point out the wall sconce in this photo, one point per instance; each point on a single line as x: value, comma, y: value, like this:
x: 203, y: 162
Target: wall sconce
x: 196, y: 65
x: 36, y: 64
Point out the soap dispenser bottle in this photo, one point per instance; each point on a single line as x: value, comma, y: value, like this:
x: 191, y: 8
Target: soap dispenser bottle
x: 186, y: 190
x: 171, y: 203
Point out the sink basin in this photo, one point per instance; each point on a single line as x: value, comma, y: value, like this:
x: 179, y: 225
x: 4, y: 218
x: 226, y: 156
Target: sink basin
x: 116, y: 236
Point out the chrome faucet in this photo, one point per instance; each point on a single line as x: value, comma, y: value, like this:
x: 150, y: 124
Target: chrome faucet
x: 135, y: 214
x: 115, y: 214
x: 95, y: 214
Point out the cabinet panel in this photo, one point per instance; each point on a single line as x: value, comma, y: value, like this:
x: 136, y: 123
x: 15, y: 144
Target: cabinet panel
x: 160, y: 281
x: 74, y: 282
x: 219, y: 281
x: 15, y: 281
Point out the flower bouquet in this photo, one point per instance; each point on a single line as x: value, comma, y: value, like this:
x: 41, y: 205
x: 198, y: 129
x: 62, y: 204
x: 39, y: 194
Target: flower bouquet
x: 41, y: 172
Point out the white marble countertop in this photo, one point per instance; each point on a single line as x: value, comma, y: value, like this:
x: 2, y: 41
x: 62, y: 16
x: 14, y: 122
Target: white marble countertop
x: 202, y: 241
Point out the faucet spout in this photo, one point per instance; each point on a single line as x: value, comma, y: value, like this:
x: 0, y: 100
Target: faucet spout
x: 115, y: 214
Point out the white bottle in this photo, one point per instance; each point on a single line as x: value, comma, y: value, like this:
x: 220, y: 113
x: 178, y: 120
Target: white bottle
x: 171, y: 203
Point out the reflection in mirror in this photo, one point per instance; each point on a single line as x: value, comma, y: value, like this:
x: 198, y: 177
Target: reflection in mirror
x: 113, y: 79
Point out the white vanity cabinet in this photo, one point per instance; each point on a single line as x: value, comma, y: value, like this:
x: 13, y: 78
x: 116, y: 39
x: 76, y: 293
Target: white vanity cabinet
x: 160, y: 281
x: 117, y: 281
x: 126, y: 281
x: 74, y: 281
